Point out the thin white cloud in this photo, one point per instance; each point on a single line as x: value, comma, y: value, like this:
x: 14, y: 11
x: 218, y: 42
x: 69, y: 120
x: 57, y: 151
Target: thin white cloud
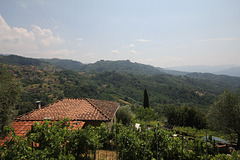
x: 80, y: 39
x: 133, y: 51
x: 115, y: 51
x: 220, y: 39
x: 132, y: 45
x: 143, y: 40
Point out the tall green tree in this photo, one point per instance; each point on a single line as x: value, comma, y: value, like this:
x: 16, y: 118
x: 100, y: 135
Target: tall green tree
x: 146, y: 99
x: 9, y: 93
x: 224, y: 115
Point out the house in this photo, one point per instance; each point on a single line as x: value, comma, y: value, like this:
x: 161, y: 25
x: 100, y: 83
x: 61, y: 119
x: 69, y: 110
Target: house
x: 81, y: 112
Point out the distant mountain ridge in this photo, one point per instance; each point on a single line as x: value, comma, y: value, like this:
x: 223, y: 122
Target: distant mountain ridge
x: 19, y: 60
x: 230, y: 70
x: 124, y: 66
x: 233, y: 71
x: 121, y: 66
x: 66, y: 64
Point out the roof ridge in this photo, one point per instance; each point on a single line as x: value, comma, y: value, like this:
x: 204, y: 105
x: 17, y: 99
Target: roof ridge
x: 87, y: 99
x: 36, y: 109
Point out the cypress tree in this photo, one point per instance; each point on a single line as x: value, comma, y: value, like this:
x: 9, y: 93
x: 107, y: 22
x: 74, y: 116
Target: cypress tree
x: 146, y: 99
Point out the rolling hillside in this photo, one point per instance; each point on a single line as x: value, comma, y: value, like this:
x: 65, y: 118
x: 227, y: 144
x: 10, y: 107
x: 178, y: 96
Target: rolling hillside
x: 103, y: 81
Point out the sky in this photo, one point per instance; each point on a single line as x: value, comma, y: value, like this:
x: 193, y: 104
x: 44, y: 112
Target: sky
x: 160, y: 33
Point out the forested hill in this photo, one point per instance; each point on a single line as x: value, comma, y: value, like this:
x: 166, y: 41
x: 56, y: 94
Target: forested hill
x: 24, y: 61
x: 18, y: 60
x: 229, y: 82
x: 66, y: 64
x: 122, y: 66
x: 51, y: 83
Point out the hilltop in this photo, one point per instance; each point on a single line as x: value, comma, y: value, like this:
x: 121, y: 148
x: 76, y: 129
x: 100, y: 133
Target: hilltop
x: 122, y: 66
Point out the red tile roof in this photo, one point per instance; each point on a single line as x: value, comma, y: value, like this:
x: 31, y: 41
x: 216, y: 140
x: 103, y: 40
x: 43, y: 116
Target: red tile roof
x: 75, y: 109
x: 22, y: 127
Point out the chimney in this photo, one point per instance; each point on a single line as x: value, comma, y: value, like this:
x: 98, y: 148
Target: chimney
x: 38, y: 104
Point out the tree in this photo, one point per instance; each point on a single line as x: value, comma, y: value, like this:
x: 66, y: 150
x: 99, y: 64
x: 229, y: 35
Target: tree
x: 9, y: 92
x: 145, y: 114
x: 224, y: 115
x: 185, y: 116
x: 146, y: 99
x: 124, y: 115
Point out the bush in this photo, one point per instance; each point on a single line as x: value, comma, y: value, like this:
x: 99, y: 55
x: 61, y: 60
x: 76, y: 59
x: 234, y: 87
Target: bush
x: 145, y: 114
x: 185, y: 116
x: 55, y: 140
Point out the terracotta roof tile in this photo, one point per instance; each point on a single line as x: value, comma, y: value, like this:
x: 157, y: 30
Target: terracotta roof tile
x: 75, y: 109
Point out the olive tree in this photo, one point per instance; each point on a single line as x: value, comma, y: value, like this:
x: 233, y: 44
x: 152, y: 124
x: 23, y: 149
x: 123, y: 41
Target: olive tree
x: 124, y: 115
x: 224, y: 115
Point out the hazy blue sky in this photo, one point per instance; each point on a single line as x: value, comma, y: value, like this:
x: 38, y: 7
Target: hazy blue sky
x: 161, y: 33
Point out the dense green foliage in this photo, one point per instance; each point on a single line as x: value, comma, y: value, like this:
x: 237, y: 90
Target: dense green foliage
x: 46, y: 141
x: 224, y: 114
x: 124, y: 115
x: 199, y: 133
x: 18, y: 60
x: 66, y: 64
x: 9, y: 92
x: 145, y: 114
x: 145, y: 99
x: 102, y: 66
x: 185, y: 116
x: 50, y: 84
x: 110, y: 80
x: 122, y: 81
x: 55, y: 140
x: 227, y: 82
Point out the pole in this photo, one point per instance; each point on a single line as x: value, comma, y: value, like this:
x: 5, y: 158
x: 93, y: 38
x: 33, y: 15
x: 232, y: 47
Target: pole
x: 107, y: 142
x: 157, y: 139
x: 182, y: 145
x: 206, y: 147
x: 32, y: 140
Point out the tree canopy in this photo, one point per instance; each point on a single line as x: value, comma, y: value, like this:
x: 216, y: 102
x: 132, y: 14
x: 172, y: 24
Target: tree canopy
x: 224, y: 114
x: 124, y: 115
x: 9, y: 92
x: 185, y: 116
